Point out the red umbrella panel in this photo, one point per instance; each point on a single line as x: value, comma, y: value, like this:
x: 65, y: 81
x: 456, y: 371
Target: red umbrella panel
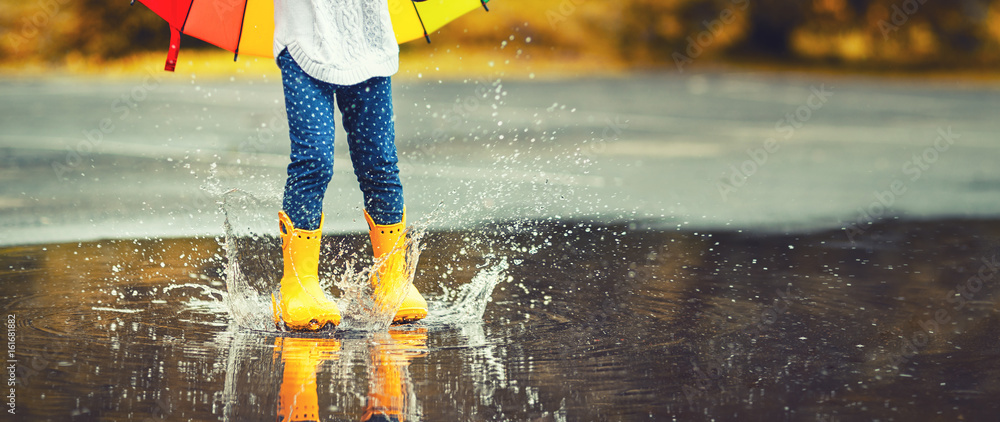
x: 217, y: 21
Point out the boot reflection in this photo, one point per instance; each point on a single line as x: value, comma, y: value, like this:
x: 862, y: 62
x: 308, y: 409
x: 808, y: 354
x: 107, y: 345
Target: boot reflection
x: 297, y: 398
x: 390, y: 389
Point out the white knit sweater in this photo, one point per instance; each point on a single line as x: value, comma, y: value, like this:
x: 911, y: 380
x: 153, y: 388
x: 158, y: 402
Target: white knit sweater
x: 342, y: 42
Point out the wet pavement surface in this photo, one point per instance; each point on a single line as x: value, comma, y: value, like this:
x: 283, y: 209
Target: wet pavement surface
x: 606, y: 322
x: 608, y: 249
x: 151, y: 157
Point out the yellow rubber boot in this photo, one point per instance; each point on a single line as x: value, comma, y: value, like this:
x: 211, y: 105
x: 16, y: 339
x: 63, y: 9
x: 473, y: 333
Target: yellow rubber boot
x: 391, y: 279
x: 298, y: 400
x: 300, y: 303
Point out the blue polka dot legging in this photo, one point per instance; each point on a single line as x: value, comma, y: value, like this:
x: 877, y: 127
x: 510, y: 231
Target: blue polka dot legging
x: 368, y: 120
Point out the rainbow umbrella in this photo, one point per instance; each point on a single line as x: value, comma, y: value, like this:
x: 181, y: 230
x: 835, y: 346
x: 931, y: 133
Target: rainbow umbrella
x: 247, y: 26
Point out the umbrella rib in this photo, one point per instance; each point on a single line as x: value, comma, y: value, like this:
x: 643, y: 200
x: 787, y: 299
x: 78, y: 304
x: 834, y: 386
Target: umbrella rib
x: 186, y: 15
x: 427, y: 37
x: 239, y: 36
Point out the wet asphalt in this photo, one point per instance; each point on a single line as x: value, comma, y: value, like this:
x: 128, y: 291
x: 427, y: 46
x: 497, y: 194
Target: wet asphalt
x: 587, y: 322
x: 726, y: 246
x: 88, y: 159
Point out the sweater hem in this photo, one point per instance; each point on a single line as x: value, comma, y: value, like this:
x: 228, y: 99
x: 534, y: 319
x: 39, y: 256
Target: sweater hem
x: 329, y: 74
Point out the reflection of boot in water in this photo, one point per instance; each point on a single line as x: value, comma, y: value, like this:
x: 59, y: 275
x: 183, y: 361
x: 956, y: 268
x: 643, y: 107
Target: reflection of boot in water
x: 388, y: 394
x: 391, y: 280
x: 297, y: 398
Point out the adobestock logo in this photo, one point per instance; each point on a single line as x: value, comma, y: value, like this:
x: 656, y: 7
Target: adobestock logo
x: 786, y: 126
x: 899, y: 17
x: 696, y: 44
x: 915, y: 167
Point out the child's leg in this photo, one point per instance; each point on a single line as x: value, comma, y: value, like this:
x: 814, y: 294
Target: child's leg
x: 300, y: 303
x: 371, y: 136
x: 368, y: 119
x: 309, y: 103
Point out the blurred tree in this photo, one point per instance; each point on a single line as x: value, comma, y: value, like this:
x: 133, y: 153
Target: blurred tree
x: 112, y: 28
x: 772, y: 23
x: 52, y: 30
x: 866, y: 33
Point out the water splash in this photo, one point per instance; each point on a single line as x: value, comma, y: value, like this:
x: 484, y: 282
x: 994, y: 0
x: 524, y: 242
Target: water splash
x: 253, y: 271
x: 359, y: 310
x: 468, y: 302
x: 251, y: 261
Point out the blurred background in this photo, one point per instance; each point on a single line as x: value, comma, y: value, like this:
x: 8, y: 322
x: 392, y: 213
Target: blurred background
x: 630, y: 34
x: 690, y: 210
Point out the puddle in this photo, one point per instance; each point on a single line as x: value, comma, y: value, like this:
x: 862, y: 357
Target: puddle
x: 583, y: 322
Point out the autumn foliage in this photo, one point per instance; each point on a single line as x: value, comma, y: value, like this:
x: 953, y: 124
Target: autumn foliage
x: 664, y: 34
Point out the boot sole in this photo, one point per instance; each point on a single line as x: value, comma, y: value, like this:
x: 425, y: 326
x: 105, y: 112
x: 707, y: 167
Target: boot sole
x: 407, y: 316
x: 282, y: 325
